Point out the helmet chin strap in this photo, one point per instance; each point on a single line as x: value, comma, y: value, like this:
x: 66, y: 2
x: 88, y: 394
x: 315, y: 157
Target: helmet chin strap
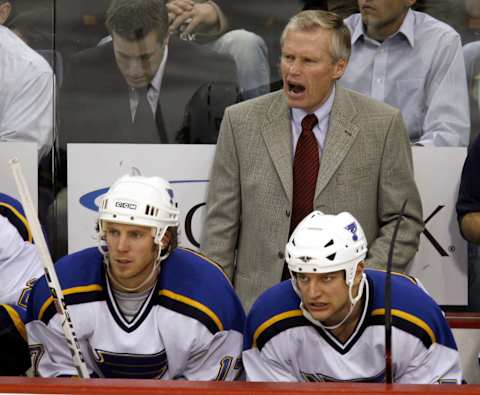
x: 353, y: 302
x: 120, y: 287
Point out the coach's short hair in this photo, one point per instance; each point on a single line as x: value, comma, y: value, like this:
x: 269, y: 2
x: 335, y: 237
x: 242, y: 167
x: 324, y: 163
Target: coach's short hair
x: 307, y: 21
x: 134, y: 19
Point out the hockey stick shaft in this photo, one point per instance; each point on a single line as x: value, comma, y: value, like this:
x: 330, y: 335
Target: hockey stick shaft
x: 388, y: 301
x: 50, y: 274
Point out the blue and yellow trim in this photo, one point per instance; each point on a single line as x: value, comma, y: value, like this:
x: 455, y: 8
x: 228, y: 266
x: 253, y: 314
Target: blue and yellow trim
x: 410, y: 318
x: 193, y: 303
x: 17, y: 321
x: 413, y: 280
x: 274, y: 320
x: 21, y: 217
x: 68, y: 292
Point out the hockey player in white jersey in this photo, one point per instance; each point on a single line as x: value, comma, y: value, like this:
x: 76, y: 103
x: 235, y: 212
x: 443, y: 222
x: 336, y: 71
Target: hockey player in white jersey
x: 20, y: 265
x: 140, y: 306
x: 327, y: 322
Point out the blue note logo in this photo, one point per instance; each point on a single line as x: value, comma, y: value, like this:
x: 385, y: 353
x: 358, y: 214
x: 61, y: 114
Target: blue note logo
x: 353, y: 229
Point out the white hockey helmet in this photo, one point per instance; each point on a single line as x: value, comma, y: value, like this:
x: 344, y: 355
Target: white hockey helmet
x: 327, y: 243
x: 143, y: 201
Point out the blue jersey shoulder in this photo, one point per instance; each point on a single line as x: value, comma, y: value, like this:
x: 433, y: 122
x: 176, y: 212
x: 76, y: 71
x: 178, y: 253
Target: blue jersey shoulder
x: 193, y: 285
x: 12, y: 320
x: 276, y: 310
x: 413, y: 310
x: 12, y: 209
x: 8, y: 200
x: 81, y: 278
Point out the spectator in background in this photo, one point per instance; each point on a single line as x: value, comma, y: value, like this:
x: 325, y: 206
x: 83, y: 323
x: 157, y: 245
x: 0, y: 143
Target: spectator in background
x: 208, y: 21
x: 468, y: 213
x: 27, y: 94
x: 414, y: 62
x: 134, y: 88
x: 354, y: 155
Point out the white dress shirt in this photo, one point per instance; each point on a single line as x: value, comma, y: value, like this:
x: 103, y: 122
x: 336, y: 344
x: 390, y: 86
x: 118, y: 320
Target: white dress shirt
x: 26, y: 94
x: 153, y: 91
x: 420, y: 70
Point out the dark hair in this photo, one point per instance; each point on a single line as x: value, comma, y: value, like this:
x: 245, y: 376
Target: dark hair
x: 134, y: 19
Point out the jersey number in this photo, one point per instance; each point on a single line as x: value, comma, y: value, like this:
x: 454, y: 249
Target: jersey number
x: 225, y: 366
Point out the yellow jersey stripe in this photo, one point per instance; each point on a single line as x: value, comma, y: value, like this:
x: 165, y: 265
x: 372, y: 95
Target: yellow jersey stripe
x: 193, y: 303
x: 21, y: 217
x: 411, y: 318
x: 69, y: 291
x: 408, y: 277
x: 274, y: 320
x: 17, y: 321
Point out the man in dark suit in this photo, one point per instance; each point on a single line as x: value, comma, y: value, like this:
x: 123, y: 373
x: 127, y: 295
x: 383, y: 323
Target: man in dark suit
x: 134, y: 89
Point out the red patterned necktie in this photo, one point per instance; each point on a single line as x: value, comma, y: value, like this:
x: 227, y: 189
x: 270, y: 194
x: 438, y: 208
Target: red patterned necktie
x: 305, y: 171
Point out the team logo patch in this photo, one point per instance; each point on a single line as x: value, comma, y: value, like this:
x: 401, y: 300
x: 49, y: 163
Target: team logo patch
x: 353, y: 229
x: 131, y: 206
x: 136, y: 366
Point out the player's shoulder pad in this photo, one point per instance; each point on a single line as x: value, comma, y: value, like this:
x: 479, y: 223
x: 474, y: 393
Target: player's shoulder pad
x: 12, y: 209
x: 81, y: 278
x: 275, y: 311
x: 12, y: 321
x: 413, y: 310
x: 193, y: 285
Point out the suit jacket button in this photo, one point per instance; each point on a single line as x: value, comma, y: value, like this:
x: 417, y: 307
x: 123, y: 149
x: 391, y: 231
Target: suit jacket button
x: 287, y: 213
x: 280, y: 255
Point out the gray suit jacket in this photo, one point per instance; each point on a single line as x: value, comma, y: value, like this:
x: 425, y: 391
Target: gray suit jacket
x: 365, y: 169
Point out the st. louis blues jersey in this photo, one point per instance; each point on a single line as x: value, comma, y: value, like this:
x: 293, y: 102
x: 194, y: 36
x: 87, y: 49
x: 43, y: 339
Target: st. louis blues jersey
x: 14, y: 355
x: 189, y: 327
x: 12, y: 209
x: 282, y: 345
x: 20, y: 265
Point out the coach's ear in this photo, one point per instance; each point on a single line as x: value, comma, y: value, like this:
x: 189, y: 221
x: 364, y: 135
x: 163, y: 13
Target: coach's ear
x: 5, y: 10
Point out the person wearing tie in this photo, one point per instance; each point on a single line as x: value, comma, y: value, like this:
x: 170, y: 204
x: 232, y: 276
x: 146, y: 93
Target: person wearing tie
x: 135, y: 87
x: 311, y: 146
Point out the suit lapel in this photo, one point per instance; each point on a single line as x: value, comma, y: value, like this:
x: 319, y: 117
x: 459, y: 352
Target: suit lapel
x: 340, y: 137
x: 277, y: 135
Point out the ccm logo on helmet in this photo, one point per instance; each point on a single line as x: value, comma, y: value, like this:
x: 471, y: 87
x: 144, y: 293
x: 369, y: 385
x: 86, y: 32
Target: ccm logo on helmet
x: 131, y: 206
x: 353, y: 228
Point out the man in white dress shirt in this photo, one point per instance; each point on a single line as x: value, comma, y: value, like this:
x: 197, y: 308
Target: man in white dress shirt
x: 27, y: 94
x: 413, y: 62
